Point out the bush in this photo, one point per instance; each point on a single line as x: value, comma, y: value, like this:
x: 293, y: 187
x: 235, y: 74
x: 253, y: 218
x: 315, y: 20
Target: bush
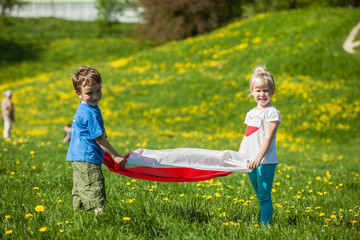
x: 166, y: 20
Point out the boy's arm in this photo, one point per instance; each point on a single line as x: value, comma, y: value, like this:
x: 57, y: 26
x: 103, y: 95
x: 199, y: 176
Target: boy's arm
x: 270, y: 131
x: 106, y: 146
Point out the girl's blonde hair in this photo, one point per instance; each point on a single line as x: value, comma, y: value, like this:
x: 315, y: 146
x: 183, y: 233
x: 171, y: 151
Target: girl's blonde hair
x: 262, y: 78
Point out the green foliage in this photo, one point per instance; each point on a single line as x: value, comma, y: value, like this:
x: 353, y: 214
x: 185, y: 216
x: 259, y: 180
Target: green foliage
x: 109, y: 10
x: 191, y: 93
x: 7, y: 5
x: 253, y: 7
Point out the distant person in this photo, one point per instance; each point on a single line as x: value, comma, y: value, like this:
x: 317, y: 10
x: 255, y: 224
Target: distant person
x: 88, y: 143
x: 258, y: 144
x: 67, y: 134
x: 7, y: 110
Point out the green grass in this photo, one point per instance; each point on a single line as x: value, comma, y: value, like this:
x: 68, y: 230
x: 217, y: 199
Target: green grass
x: 191, y: 93
x: 28, y: 45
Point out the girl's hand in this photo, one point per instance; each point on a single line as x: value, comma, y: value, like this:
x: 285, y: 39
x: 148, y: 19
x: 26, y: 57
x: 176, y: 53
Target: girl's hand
x: 254, y: 164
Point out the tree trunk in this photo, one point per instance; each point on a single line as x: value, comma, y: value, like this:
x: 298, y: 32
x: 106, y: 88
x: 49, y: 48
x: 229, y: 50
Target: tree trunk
x: 292, y: 4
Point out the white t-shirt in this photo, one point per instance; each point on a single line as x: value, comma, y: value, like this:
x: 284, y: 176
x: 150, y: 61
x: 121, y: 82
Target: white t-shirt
x: 256, y: 121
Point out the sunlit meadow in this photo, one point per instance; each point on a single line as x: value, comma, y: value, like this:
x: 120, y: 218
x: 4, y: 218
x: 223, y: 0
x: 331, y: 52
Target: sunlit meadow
x: 194, y: 93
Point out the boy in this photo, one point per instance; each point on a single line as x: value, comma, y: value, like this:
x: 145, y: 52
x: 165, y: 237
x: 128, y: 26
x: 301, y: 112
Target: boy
x: 88, y: 143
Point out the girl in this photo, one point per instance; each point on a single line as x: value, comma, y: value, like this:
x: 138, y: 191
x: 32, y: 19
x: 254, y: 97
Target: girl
x: 258, y: 143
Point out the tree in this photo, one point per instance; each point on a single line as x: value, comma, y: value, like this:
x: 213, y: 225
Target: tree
x: 6, y: 6
x: 109, y: 10
x: 166, y: 20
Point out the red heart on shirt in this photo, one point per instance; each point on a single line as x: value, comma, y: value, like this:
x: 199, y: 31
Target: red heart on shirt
x: 253, y: 126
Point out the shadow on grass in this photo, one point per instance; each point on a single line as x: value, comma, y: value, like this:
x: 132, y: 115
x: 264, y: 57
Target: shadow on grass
x: 15, y: 52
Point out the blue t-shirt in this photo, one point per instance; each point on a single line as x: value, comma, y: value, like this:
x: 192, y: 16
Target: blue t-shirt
x: 88, y: 124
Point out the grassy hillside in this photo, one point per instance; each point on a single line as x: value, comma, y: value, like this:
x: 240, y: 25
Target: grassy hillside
x: 194, y: 93
x: 32, y: 46
x: 205, y: 80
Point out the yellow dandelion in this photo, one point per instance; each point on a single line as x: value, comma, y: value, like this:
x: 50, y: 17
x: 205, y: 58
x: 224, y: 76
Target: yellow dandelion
x: 43, y: 229
x: 39, y: 208
x: 36, y: 188
x: 126, y: 218
x: 256, y: 225
x: 7, y: 217
x: 29, y: 215
x: 333, y: 216
x: 32, y: 152
x: 60, y: 201
x: 256, y: 40
x: 9, y: 232
x: 181, y: 195
x: 197, y: 210
x: 61, y: 230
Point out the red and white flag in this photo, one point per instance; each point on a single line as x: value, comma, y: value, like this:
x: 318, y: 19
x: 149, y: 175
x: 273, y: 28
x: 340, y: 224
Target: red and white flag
x: 180, y: 164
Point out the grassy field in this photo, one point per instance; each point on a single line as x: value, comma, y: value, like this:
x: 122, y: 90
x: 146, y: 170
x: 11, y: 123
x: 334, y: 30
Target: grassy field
x: 191, y: 93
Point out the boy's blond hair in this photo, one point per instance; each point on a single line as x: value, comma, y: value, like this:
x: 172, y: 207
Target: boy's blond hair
x: 86, y: 75
x: 261, y: 78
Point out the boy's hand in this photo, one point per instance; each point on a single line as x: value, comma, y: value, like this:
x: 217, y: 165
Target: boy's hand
x: 120, y: 160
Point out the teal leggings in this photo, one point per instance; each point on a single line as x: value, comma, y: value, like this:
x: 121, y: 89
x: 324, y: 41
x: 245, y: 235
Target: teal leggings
x: 262, y: 179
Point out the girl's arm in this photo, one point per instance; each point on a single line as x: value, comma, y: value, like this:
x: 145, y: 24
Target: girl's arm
x: 240, y: 145
x: 106, y: 146
x: 270, y: 131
